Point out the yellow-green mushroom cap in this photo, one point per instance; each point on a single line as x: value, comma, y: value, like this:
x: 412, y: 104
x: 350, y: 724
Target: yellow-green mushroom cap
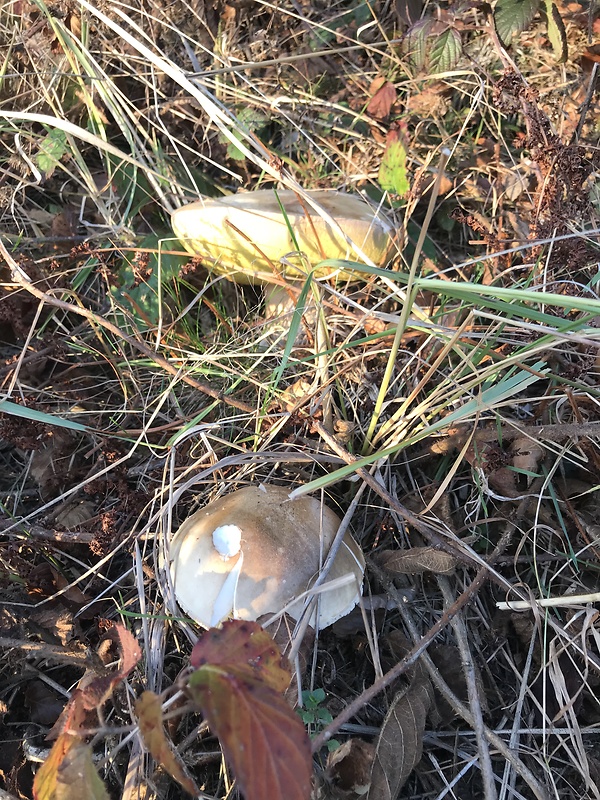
x: 253, y: 551
x: 239, y: 235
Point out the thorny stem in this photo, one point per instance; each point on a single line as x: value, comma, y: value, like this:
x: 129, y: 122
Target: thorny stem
x: 21, y: 279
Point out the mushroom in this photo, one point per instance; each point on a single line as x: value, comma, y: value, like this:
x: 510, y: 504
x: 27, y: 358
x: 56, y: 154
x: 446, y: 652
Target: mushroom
x: 253, y: 551
x: 243, y: 235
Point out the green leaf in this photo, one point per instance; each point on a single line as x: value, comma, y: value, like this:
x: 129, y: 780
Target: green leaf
x: 51, y: 149
x: 414, y: 46
x: 445, y: 51
x: 392, y: 171
x: 512, y: 17
x: 143, y: 299
x: 254, y: 121
x: 556, y: 32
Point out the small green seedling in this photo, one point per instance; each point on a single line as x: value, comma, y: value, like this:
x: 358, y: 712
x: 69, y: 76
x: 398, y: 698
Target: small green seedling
x: 316, y: 716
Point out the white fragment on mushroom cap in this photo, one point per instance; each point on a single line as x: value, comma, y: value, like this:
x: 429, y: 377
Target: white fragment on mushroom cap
x: 227, y: 540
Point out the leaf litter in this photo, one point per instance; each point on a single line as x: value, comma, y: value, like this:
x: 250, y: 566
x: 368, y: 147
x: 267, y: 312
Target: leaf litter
x: 146, y: 443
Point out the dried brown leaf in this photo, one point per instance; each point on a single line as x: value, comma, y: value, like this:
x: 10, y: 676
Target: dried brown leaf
x: 149, y: 713
x: 417, y: 560
x: 349, y: 766
x: 384, y: 97
x: 400, y: 742
x: 526, y: 454
x: 94, y: 689
x: 408, y: 11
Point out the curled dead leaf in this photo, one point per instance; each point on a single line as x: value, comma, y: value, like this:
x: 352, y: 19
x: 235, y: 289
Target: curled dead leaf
x: 400, y: 743
x: 417, y: 560
x: 349, y: 767
x: 148, y: 709
x: 74, y: 514
x: 527, y: 455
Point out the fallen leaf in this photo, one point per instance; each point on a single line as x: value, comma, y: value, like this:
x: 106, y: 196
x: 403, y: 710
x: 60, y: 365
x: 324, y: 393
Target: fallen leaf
x: 527, y: 455
x: 381, y: 102
x: 417, y: 560
x: 237, y: 683
x: 149, y: 713
x: 409, y: 11
x: 94, y: 689
x: 400, y: 742
x: 349, y: 766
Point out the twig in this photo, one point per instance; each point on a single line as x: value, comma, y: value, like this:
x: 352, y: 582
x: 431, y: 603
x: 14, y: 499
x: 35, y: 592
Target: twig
x: 20, y: 277
x: 459, y: 708
x: 46, y: 534
x: 381, y: 683
x: 460, y: 632
x: 52, y: 652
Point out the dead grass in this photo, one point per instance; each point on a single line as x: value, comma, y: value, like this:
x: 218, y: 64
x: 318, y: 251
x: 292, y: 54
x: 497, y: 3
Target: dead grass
x: 452, y: 398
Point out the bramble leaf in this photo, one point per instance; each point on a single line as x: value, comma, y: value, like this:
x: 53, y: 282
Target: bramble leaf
x: 51, y: 150
x: 264, y: 741
x: 414, y: 45
x: 556, y: 32
x: 94, y: 690
x: 149, y: 713
x: 245, y: 647
x: 392, y: 170
x: 445, y: 51
x: 512, y: 17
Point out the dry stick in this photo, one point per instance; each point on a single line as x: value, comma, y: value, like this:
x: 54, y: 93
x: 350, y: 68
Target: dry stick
x: 20, y: 277
x: 46, y: 534
x: 52, y: 652
x: 381, y: 683
x: 460, y: 631
x: 462, y: 711
x: 423, y: 643
x: 442, y: 687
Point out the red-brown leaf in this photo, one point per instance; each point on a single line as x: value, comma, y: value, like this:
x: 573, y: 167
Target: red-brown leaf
x: 262, y: 738
x: 94, y: 690
x: 383, y: 99
x: 149, y: 713
x: 245, y: 647
x: 99, y: 689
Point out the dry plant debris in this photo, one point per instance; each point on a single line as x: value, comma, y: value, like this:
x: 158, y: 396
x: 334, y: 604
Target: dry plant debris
x: 445, y: 404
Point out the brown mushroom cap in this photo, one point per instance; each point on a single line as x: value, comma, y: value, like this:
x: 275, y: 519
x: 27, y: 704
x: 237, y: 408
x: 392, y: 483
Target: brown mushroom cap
x: 283, y: 543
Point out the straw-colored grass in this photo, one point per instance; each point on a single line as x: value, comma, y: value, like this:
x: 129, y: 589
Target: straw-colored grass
x: 450, y: 398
